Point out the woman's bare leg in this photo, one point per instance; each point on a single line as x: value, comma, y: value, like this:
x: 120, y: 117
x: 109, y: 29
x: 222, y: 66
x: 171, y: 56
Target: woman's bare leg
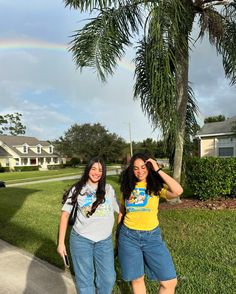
x: 167, y: 287
x: 138, y: 286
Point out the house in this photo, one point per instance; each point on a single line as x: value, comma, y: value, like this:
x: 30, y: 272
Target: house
x: 218, y: 139
x: 21, y: 151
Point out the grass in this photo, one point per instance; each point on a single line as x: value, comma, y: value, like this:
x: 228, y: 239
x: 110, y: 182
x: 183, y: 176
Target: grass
x: 25, y: 176
x: 16, y: 177
x: 202, y: 242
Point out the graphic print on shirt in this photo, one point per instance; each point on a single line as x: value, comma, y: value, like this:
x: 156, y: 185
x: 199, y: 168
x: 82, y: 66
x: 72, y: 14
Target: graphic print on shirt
x: 86, y: 201
x: 138, y: 200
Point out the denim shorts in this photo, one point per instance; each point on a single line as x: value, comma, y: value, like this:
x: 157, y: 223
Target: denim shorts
x: 144, y: 252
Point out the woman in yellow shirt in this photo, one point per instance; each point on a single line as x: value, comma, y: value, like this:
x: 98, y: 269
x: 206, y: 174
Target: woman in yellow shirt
x: 140, y: 245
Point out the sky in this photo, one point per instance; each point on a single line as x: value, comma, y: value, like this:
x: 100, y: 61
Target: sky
x: 39, y: 79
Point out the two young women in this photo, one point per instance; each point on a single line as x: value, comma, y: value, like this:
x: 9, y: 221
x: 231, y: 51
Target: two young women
x: 139, y: 245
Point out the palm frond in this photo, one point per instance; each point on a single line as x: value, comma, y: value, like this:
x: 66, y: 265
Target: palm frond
x: 84, y: 5
x: 90, y: 5
x: 211, y: 21
x: 191, y: 113
x: 226, y: 46
x: 230, y: 11
x: 155, y: 84
x: 221, y: 27
x: 102, y: 41
x: 155, y: 62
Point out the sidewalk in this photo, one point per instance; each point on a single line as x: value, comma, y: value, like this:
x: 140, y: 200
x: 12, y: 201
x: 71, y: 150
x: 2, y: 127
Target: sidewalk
x: 75, y: 177
x: 23, y: 273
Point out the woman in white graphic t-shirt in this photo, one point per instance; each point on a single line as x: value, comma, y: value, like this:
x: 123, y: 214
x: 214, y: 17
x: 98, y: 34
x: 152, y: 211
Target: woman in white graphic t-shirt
x: 91, y: 244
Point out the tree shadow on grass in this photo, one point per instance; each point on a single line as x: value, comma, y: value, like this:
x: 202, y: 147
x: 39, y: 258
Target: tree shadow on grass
x: 11, y: 201
x: 36, y: 276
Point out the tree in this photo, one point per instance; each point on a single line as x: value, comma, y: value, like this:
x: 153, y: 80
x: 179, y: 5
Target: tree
x: 148, y: 146
x: 162, y: 56
x: 156, y: 149
x: 11, y: 124
x: 86, y: 141
x: 214, y: 119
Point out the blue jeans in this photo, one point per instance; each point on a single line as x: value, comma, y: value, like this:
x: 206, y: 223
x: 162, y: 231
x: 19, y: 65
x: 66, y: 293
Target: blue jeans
x: 93, y: 264
x: 144, y: 251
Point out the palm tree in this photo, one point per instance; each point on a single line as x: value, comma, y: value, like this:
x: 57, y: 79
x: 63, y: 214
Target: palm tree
x: 162, y: 54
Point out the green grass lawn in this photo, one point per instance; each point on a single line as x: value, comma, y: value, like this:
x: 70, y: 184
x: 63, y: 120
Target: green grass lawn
x: 25, y: 176
x: 16, y: 177
x: 202, y: 242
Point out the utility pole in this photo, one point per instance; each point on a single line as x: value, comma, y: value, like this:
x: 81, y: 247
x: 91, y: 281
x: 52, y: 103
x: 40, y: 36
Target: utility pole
x: 130, y: 140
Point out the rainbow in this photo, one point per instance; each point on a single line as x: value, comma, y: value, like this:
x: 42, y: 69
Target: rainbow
x: 36, y: 44
x: 19, y: 44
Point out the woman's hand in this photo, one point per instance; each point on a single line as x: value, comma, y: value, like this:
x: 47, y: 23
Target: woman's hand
x: 61, y: 249
x: 154, y: 164
x: 174, y: 189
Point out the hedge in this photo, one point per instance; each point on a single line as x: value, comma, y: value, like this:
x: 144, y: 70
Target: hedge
x: 55, y: 167
x: 4, y: 169
x: 26, y: 168
x: 211, y: 177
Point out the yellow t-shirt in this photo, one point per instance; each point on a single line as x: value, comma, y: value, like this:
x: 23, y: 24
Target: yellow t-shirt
x: 142, y: 209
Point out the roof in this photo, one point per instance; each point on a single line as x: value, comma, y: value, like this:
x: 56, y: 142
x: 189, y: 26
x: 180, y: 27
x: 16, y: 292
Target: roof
x: 21, y: 140
x: 3, y: 152
x: 218, y: 128
x: 12, y: 141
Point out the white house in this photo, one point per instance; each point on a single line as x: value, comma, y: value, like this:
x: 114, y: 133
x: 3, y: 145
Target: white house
x: 218, y: 139
x: 17, y: 151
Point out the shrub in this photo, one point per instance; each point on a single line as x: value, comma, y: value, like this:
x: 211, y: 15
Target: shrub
x: 211, y: 177
x: 26, y: 168
x: 74, y: 162
x: 4, y: 169
x: 55, y: 167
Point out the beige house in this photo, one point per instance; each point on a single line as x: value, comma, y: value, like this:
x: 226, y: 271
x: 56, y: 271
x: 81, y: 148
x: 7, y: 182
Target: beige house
x: 17, y: 151
x: 218, y: 139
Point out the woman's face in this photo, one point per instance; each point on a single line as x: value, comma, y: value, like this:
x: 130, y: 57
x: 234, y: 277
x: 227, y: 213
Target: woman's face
x: 140, y: 170
x: 95, y: 172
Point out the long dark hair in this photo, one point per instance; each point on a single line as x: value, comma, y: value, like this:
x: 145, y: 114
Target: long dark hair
x: 128, y: 180
x: 100, y: 192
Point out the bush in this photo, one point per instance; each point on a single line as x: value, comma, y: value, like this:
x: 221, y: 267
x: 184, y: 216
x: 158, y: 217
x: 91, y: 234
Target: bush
x: 7, y: 169
x: 56, y: 167
x: 211, y: 177
x: 26, y: 168
x: 74, y: 162
x: 4, y: 169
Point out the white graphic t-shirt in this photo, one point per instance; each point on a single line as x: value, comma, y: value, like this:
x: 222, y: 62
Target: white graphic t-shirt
x: 98, y: 226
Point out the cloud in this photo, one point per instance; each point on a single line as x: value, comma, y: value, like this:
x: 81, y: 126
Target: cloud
x: 212, y: 90
x: 46, y: 88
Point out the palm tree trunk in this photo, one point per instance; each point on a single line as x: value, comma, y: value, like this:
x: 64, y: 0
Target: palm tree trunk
x: 182, y: 99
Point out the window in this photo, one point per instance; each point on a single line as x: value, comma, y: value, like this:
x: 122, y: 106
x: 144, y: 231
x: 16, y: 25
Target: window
x: 226, y: 151
x: 25, y: 149
x: 225, y: 141
x: 226, y: 146
x: 50, y: 149
x: 38, y: 149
